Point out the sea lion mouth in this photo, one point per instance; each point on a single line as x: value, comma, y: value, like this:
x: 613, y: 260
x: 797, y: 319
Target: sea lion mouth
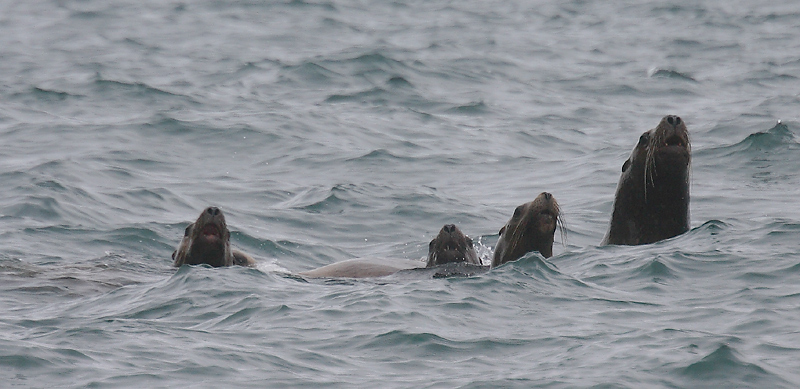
x: 674, y: 140
x: 211, y: 231
x: 547, y: 213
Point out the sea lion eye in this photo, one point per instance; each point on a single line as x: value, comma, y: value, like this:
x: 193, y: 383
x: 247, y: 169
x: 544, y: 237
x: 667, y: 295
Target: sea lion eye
x: 469, y: 243
x: 626, y: 165
x: 173, y: 254
x: 644, y: 138
x: 188, y: 229
x: 517, y: 211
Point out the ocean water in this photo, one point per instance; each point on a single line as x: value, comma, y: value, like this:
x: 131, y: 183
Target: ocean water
x: 330, y: 130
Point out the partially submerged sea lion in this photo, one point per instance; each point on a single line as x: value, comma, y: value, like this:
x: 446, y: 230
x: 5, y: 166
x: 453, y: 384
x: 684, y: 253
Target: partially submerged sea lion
x: 652, y: 199
x: 531, y: 228
x: 450, y: 246
x: 207, y: 241
x: 363, y: 268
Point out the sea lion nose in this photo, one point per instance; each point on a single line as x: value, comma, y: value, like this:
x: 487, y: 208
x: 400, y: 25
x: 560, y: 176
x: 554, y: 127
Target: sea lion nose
x: 213, y: 211
x: 547, y: 195
x: 674, y: 120
x: 449, y: 228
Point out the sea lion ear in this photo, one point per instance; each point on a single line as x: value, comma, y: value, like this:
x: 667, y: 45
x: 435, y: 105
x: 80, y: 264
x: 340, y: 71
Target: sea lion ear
x: 626, y: 165
x: 502, y: 230
x: 188, y: 229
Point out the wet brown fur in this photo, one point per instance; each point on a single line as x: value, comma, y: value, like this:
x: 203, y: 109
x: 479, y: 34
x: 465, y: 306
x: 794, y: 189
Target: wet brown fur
x: 451, y: 245
x: 531, y: 228
x: 652, y: 198
x: 214, y: 249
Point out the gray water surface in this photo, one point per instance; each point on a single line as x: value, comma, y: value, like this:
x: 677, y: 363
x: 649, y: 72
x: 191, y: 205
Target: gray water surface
x: 334, y: 130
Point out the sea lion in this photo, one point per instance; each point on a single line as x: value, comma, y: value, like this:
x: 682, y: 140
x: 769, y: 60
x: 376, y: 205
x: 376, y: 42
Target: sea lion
x: 363, y: 268
x: 450, y: 246
x: 207, y: 241
x: 531, y: 228
x: 652, y: 199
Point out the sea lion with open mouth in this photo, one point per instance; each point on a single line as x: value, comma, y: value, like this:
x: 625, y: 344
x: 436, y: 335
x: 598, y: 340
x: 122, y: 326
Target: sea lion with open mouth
x: 207, y: 241
x: 531, y: 228
x: 652, y: 199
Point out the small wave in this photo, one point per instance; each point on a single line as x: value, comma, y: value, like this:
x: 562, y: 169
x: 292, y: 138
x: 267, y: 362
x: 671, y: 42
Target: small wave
x: 779, y: 136
x: 476, y: 108
x: 657, y: 269
x: 399, y: 82
x: 776, y: 137
x: 306, y: 4
x: 725, y: 367
x: 37, y: 208
x: 669, y: 73
x: 376, y: 96
x: 532, y: 265
x: 317, y: 200
x: 48, y: 95
x: 379, y: 155
x: 109, y: 88
x: 310, y: 72
x: 22, y: 361
x: 766, y: 156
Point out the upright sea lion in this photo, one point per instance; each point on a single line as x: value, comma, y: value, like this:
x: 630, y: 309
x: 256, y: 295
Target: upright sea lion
x: 531, y: 228
x: 450, y: 246
x: 652, y: 199
x: 207, y: 241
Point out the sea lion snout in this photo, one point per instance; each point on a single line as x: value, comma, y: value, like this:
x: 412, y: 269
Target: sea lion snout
x: 673, y: 120
x: 449, y: 228
x: 670, y: 136
x: 213, y: 216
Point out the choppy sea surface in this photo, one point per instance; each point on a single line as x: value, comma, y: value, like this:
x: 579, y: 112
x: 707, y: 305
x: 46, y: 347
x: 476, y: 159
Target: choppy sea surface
x: 330, y: 130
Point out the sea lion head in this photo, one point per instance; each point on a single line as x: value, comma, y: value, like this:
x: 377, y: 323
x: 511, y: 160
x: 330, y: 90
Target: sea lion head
x: 652, y: 199
x: 451, y: 245
x: 206, y: 241
x: 531, y: 228
x: 663, y: 151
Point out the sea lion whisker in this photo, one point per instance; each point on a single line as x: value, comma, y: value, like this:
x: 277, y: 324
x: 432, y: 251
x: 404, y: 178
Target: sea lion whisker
x: 562, y: 228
